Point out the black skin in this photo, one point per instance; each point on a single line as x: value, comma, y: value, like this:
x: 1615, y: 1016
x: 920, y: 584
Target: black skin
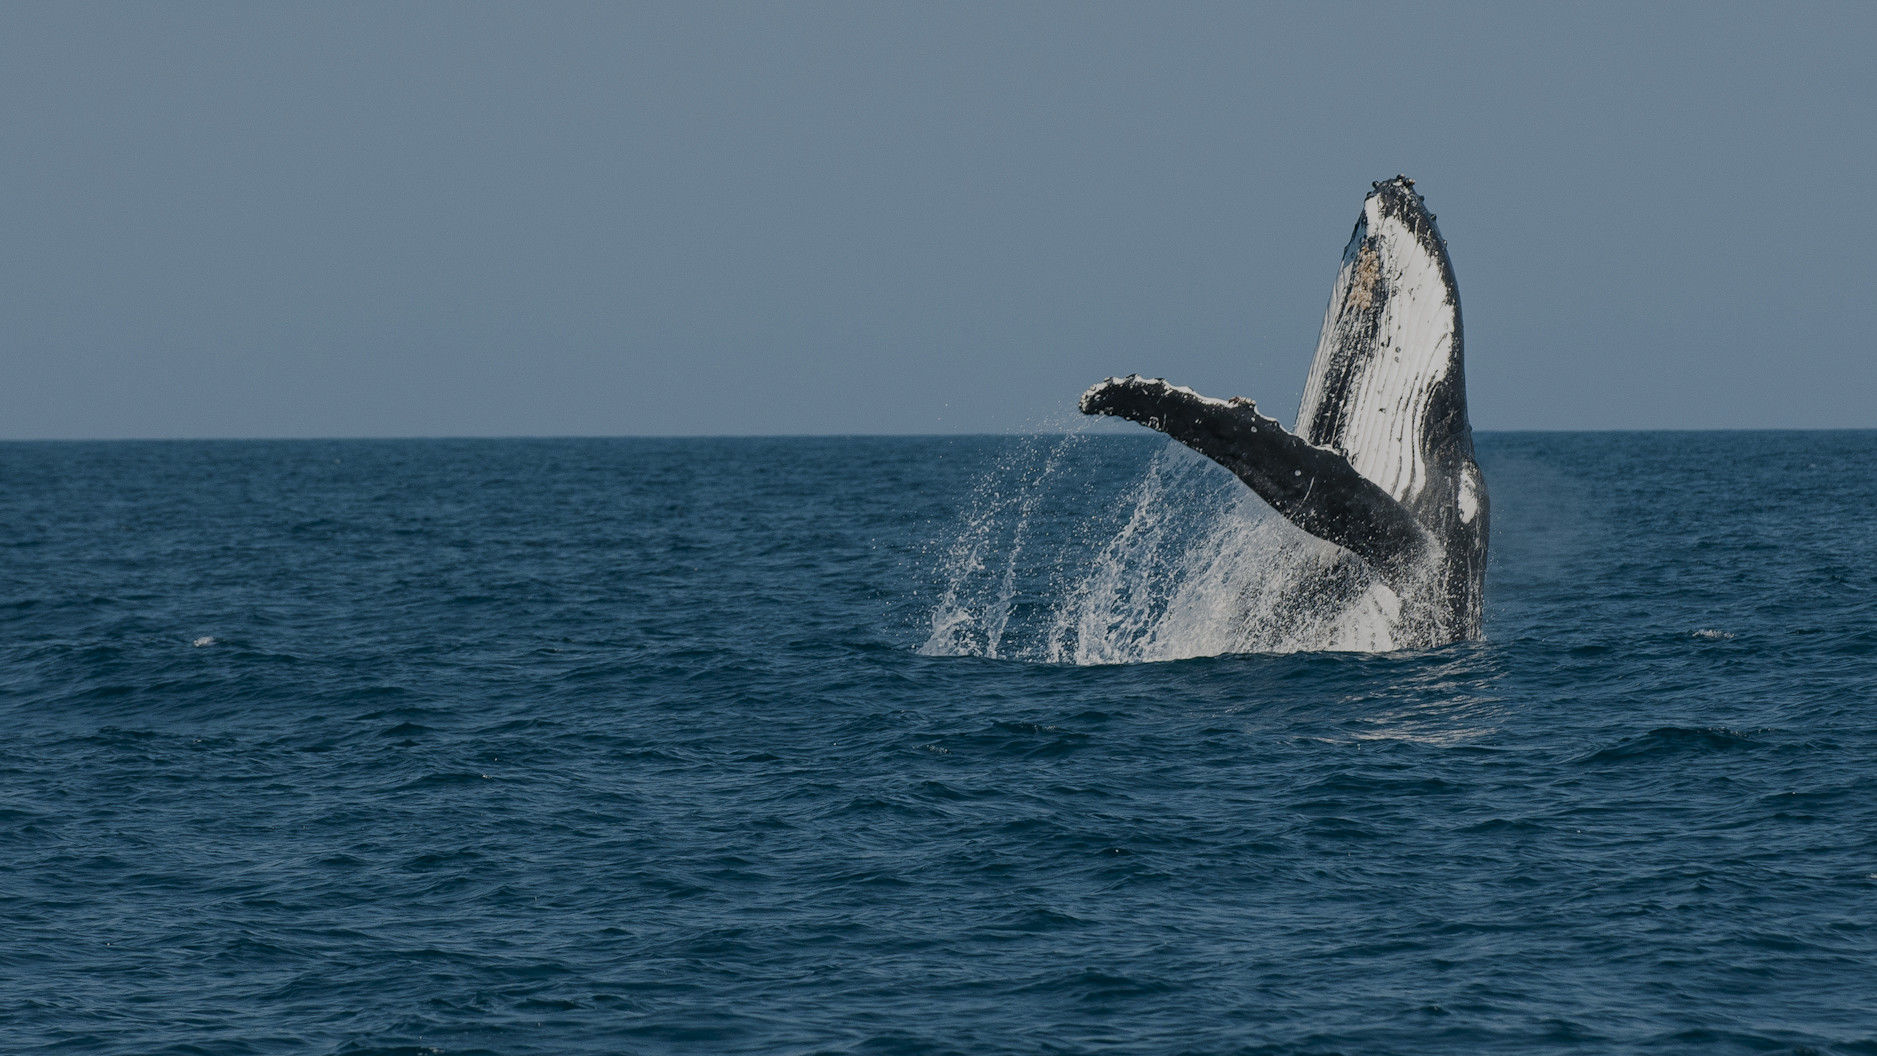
x: 1314, y: 487
x: 1428, y: 552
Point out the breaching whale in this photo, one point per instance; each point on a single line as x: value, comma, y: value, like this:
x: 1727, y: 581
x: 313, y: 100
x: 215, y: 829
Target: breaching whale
x: 1381, y: 462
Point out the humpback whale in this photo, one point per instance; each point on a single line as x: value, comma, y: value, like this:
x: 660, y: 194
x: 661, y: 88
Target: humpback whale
x: 1381, y: 462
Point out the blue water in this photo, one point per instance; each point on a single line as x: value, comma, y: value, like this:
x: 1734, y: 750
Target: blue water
x: 629, y: 746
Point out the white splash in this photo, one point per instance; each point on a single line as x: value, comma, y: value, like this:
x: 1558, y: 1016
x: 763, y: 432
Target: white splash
x: 1189, y: 563
x: 982, y: 567
x: 203, y: 642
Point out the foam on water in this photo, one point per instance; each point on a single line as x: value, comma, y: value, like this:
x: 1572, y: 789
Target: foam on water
x: 1187, y: 563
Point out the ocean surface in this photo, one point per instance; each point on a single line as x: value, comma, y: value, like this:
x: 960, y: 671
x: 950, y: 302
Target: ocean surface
x: 923, y: 745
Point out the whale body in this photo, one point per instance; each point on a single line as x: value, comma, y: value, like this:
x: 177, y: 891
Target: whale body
x: 1381, y: 463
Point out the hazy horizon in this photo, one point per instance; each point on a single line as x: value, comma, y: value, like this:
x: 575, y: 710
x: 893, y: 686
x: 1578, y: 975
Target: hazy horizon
x: 1117, y: 430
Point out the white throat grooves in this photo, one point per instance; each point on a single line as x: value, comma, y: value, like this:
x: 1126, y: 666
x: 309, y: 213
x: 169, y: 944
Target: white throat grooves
x: 1391, y: 380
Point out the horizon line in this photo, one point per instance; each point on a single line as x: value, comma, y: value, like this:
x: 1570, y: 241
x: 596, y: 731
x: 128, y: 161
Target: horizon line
x: 366, y: 438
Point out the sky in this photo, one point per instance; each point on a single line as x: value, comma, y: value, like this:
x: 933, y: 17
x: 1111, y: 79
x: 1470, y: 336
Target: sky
x: 554, y: 219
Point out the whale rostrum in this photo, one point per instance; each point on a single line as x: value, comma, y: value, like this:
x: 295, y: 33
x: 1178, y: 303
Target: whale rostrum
x: 1381, y: 463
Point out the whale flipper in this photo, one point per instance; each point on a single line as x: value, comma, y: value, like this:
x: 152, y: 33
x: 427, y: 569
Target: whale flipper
x: 1382, y: 460
x: 1314, y: 487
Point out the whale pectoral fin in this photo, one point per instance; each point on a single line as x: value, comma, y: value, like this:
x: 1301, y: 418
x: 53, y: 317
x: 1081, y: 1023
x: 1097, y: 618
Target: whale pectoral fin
x: 1313, y: 487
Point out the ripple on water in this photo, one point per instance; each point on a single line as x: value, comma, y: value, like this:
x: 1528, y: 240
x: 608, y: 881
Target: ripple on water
x: 599, y: 746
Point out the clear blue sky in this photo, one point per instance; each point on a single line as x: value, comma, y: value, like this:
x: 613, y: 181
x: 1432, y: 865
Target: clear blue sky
x: 556, y: 219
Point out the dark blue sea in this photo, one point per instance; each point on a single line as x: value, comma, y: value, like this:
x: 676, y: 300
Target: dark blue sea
x: 911, y: 745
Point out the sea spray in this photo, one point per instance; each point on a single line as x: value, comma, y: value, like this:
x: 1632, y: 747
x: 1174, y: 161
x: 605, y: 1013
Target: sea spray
x: 1185, y: 563
x: 983, y: 567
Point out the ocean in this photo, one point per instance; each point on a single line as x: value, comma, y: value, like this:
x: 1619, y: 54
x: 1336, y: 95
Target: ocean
x: 924, y: 745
